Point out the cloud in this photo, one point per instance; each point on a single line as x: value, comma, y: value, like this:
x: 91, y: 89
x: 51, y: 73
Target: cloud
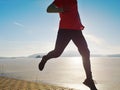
x: 101, y: 46
x: 94, y: 39
x: 113, y: 49
x: 18, y: 24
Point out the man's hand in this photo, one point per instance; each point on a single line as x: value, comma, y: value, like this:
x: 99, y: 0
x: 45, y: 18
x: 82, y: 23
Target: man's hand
x: 53, y: 9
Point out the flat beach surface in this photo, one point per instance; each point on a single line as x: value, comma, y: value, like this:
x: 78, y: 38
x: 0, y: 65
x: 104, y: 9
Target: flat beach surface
x: 15, y: 84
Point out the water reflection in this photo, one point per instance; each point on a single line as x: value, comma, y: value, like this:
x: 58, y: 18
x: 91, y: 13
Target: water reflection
x: 64, y: 71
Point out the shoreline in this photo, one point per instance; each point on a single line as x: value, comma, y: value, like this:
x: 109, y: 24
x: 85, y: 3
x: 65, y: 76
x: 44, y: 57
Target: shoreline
x: 16, y: 84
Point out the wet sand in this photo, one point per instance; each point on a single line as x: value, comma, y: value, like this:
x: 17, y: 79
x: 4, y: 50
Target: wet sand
x: 15, y: 84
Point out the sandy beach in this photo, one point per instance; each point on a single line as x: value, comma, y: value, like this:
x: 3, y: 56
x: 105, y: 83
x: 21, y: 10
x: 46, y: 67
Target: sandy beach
x: 15, y: 84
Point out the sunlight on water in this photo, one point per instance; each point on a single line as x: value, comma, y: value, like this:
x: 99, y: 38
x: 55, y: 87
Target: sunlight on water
x: 76, y: 60
x: 64, y: 71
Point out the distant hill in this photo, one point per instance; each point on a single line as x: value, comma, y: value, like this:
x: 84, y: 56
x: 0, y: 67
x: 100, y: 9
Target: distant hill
x: 38, y: 55
x: 11, y: 57
x: 66, y: 54
x: 69, y: 54
x: 114, y: 55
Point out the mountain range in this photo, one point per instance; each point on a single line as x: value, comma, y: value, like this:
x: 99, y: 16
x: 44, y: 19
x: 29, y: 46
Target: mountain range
x: 40, y: 55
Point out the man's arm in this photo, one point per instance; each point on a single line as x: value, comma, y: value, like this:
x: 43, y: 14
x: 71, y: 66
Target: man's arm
x: 54, y: 9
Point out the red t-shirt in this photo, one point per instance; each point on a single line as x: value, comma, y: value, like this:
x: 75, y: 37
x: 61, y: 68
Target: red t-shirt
x: 69, y: 19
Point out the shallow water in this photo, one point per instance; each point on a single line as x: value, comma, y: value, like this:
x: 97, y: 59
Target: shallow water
x: 65, y: 71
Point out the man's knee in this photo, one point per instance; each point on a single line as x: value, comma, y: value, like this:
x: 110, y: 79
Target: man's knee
x: 85, y: 53
x: 57, y: 53
x: 54, y: 54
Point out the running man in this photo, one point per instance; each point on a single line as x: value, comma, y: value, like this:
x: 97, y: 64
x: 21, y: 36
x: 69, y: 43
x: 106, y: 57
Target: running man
x: 70, y: 28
